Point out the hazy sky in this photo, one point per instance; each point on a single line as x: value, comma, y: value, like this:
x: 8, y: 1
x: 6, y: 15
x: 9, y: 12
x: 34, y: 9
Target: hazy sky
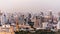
x: 29, y: 5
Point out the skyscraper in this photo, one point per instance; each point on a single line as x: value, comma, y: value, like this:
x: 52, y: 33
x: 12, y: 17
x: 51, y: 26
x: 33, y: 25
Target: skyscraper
x: 0, y: 17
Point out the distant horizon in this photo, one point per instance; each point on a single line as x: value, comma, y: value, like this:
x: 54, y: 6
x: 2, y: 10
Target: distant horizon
x: 25, y: 5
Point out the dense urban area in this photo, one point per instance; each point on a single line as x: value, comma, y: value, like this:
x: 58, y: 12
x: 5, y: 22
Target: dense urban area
x: 38, y: 23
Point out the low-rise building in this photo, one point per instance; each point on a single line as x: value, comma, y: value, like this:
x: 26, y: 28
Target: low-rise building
x: 6, y: 29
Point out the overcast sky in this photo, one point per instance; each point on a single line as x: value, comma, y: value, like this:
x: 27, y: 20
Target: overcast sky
x: 29, y: 5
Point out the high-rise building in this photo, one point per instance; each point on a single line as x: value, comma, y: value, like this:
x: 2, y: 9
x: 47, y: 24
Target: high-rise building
x: 59, y: 16
x: 0, y: 17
